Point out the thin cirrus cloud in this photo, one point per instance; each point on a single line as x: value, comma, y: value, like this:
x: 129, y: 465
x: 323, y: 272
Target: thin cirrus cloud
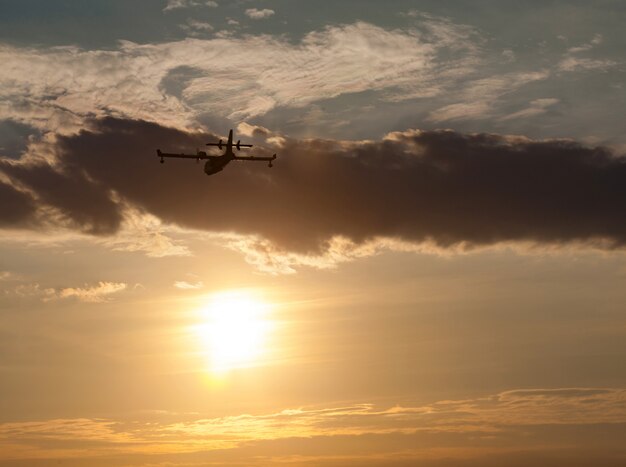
x: 572, y: 61
x: 174, y: 82
x: 92, y: 294
x: 432, y: 431
x: 479, y: 98
x: 180, y: 4
x: 185, y: 285
x: 195, y: 27
x: 535, y: 107
x: 441, y: 186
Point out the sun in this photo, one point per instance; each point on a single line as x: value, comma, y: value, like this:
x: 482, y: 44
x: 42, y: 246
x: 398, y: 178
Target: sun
x: 234, y: 330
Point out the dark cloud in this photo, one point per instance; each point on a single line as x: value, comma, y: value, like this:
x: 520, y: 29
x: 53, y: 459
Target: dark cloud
x: 16, y: 208
x: 432, y: 185
x: 84, y: 202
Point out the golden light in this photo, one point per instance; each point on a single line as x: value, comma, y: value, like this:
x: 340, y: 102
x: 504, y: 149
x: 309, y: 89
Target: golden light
x: 235, y: 330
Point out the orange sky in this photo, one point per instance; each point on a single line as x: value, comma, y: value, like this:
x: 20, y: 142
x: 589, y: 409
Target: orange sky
x: 432, y: 274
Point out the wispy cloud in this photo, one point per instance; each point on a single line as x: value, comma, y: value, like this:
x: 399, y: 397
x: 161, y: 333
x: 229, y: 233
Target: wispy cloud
x: 33, y: 290
x: 450, y: 424
x: 179, y: 4
x: 133, y: 80
x: 269, y: 258
x: 196, y: 28
x: 478, y: 98
x: 92, y: 294
x: 97, y: 293
x: 597, y: 39
x: 184, y: 285
x: 572, y: 61
x: 536, y: 107
x: 577, y: 63
x: 145, y: 233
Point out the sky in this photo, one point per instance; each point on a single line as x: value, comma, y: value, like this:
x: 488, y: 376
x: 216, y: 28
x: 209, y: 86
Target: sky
x: 432, y: 274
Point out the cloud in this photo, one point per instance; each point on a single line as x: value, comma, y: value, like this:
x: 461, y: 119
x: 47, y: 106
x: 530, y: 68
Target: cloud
x: 16, y: 207
x: 79, y: 201
x: 145, y: 233
x: 576, y: 63
x: 573, y: 62
x: 269, y: 258
x: 597, y: 39
x: 184, y: 285
x: 441, y: 187
x: 96, y: 293
x: 196, y: 27
x: 536, y: 107
x: 33, y: 290
x: 540, y: 419
x: 179, y: 4
x: 255, y: 13
x: 91, y: 294
x: 508, y: 55
x: 479, y: 97
x: 183, y: 82
x: 462, y: 110
x: 144, y: 81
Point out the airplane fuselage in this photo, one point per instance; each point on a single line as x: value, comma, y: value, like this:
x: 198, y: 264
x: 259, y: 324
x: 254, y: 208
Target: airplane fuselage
x: 217, y: 164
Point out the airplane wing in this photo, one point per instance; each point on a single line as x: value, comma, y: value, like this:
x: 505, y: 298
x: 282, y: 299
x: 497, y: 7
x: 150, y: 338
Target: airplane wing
x: 199, y: 156
x: 255, y: 158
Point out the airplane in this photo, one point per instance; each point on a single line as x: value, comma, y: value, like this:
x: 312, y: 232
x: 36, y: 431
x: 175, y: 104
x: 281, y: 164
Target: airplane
x: 216, y: 164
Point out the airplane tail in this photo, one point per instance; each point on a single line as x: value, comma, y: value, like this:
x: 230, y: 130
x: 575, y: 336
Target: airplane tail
x: 229, y: 143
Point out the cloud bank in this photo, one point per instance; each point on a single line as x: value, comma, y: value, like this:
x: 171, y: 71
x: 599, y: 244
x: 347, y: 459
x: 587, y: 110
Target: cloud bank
x: 439, y: 186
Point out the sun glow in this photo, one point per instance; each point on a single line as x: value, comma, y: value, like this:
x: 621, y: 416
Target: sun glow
x: 234, y: 331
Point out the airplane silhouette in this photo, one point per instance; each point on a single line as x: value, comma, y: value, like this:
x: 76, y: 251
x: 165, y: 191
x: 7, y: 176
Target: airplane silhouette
x: 216, y: 164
